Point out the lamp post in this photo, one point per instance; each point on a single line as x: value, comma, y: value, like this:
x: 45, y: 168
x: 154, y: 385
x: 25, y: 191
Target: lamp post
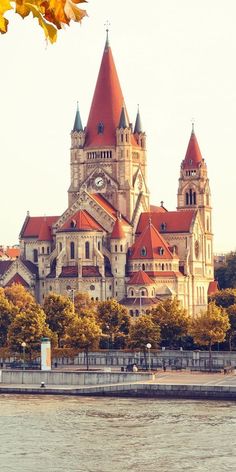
x: 23, y: 345
x: 148, y: 346
x: 71, y: 291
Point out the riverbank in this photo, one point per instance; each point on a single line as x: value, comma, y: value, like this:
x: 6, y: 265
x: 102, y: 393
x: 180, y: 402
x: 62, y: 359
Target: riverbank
x: 161, y: 385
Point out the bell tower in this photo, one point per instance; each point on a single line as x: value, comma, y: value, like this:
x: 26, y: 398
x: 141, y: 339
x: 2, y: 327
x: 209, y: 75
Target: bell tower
x: 194, y: 194
x: 108, y: 156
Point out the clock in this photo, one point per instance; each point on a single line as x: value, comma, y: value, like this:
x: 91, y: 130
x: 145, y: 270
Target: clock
x: 99, y: 181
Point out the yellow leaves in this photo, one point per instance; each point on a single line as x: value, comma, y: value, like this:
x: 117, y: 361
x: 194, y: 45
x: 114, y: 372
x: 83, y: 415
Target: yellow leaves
x: 4, y: 6
x: 51, y: 14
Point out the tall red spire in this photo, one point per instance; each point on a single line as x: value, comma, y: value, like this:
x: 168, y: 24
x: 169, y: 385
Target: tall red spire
x: 106, y: 105
x: 193, y: 155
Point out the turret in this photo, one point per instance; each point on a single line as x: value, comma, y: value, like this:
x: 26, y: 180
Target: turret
x: 118, y: 258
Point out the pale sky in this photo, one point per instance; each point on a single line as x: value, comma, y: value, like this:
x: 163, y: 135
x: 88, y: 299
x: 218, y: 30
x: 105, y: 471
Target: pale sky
x: 176, y: 58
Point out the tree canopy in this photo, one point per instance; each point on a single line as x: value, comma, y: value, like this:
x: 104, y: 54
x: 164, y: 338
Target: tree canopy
x: 143, y: 331
x: 59, y: 312
x: 172, y: 319
x: 114, y: 320
x: 83, y: 333
x: 226, y: 274
x: 51, y: 15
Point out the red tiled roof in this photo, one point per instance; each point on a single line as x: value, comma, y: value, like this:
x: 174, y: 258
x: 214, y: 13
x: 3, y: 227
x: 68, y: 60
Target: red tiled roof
x: 32, y: 226
x: 168, y: 222
x: 161, y: 274
x: 81, y: 221
x: 118, y: 231
x: 45, y: 232
x: 213, y: 287
x: 152, y: 241
x: 106, y: 105
x: 87, y: 271
x: 13, y: 252
x: 157, y: 209
x: 193, y: 155
x: 140, y: 278
x: 17, y: 279
x: 107, y: 207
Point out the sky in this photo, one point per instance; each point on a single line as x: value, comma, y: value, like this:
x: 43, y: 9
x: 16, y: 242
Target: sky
x: 176, y: 59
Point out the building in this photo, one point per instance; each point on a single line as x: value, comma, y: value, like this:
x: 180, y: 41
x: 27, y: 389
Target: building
x: 110, y: 242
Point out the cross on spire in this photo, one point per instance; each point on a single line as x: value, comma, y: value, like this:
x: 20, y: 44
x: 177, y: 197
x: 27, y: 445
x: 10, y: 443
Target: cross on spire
x: 107, y: 24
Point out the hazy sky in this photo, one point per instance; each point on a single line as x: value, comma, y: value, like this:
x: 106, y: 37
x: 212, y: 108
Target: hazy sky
x: 176, y: 58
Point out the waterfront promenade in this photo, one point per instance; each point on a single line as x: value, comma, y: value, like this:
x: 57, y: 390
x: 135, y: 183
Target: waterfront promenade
x: 183, y: 384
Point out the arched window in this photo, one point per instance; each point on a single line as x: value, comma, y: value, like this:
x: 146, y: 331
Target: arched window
x: 131, y: 312
x: 60, y: 247
x: 115, y: 247
x: 48, y: 249
x: 186, y: 198
x: 131, y: 293
x: 162, y: 266
x: 35, y: 255
x: 161, y: 251
x: 136, y: 312
x: 73, y: 224
x: 87, y: 252
x: 163, y: 226
x: 100, y: 127
x: 194, y: 198
x: 143, y: 251
x: 72, y: 250
x: 99, y: 246
x: 143, y: 293
x: 143, y: 266
x: 121, y: 248
x: 43, y: 250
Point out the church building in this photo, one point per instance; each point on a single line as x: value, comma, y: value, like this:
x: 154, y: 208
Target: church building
x: 111, y: 241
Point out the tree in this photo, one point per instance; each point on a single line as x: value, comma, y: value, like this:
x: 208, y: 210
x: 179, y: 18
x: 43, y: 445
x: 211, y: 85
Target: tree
x: 210, y: 327
x: 7, y: 312
x: 226, y: 275
x: 28, y: 326
x: 19, y: 296
x: 52, y: 15
x: 59, y: 312
x: 172, y: 319
x: 84, y: 304
x: 114, y: 320
x: 231, y: 334
x: 83, y: 333
x: 144, y: 331
x: 224, y: 298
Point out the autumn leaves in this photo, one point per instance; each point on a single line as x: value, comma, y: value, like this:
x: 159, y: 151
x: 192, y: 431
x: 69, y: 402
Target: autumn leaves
x: 51, y: 14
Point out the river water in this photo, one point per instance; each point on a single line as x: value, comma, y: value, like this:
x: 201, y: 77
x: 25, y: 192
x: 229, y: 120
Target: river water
x: 78, y: 434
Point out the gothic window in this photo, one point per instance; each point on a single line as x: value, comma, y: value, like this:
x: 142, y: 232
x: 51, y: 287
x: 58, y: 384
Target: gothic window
x: 43, y: 250
x: 196, y: 248
x: 143, y: 266
x: 194, y: 198
x: 72, y: 250
x: 126, y: 138
x: 48, y: 250
x: 115, y: 247
x: 186, y: 198
x: 143, y: 293
x: 143, y: 251
x: 87, y: 251
x: 136, y: 312
x: 122, y: 138
x: 73, y: 224
x: 35, y: 255
x: 99, y: 245
x: 161, y: 251
x: 100, y: 127
x: 121, y: 248
x: 60, y: 247
x: 131, y: 312
x: 162, y: 266
x: 163, y: 226
x: 131, y: 293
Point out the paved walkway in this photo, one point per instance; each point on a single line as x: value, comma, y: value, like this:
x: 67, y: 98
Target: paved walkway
x: 195, y: 378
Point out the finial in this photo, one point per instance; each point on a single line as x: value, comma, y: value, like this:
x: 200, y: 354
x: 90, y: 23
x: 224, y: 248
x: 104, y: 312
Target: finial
x: 193, y: 123
x: 107, y: 24
x: 162, y: 203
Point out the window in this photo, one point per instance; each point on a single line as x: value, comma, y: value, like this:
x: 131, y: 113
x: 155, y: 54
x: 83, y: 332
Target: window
x: 87, y: 251
x: 161, y: 251
x: 131, y: 293
x: 115, y: 247
x: 72, y: 250
x: 162, y: 266
x: 35, y: 255
x: 99, y: 246
x: 131, y: 312
x: 43, y: 250
x: 143, y: 251
x: 143, y: 293
x: 186, y: 198
x: 73, y: 224
x: 163, y: 226
x: 121, y: 248
x: 143, y: 266
x: 60, y: 247
x: 48, y: 250
x: 100, y: 127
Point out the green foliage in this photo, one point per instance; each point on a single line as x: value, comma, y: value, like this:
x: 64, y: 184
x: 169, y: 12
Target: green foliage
x: 28, y: 326
x: 59, y: 313
x: 173, y: 321
x: 82, y: 302
x: 7, y: 313
x: 231, y: 334
x: 224, y: 298
x: 114, y: 320
x: 143, y: 331
x: 226, y: 275
x: 19, y: 296
x: 210, y: 326
x: 83, y: 333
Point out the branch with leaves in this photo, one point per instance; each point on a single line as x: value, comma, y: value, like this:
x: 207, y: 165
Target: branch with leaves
x: 52, y: 15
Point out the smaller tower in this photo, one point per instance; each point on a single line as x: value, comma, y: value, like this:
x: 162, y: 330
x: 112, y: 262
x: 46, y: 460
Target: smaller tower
x: 118, y: 258
x: 77, y: 155
x: 138, y: 131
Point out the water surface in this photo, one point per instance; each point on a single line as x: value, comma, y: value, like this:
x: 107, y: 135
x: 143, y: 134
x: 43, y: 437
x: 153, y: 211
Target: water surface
x: 78, y: 434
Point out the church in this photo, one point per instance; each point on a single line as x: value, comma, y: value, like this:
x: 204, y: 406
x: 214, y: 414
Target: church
x: 111, y: 241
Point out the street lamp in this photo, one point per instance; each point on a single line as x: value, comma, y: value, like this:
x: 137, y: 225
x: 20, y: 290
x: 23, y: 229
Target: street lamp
x: 23, y: 345
x: 71, y: 291
x: 148, y: 346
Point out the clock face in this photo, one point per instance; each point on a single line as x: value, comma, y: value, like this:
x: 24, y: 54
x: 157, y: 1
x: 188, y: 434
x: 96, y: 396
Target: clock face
x: 99, y: 182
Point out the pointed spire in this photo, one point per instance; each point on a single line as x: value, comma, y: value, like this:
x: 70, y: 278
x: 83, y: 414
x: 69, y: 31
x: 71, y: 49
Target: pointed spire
x: 124, y: 122
x: 78, y: 123
x: 107, y: 44
x: 106, y: 105
x: 193, y: 155
x: 138, y: 125
x: 118, y: 231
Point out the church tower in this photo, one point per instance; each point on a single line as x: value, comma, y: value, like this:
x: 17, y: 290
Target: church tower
x: 194, y: 194
x: 109, y: 157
